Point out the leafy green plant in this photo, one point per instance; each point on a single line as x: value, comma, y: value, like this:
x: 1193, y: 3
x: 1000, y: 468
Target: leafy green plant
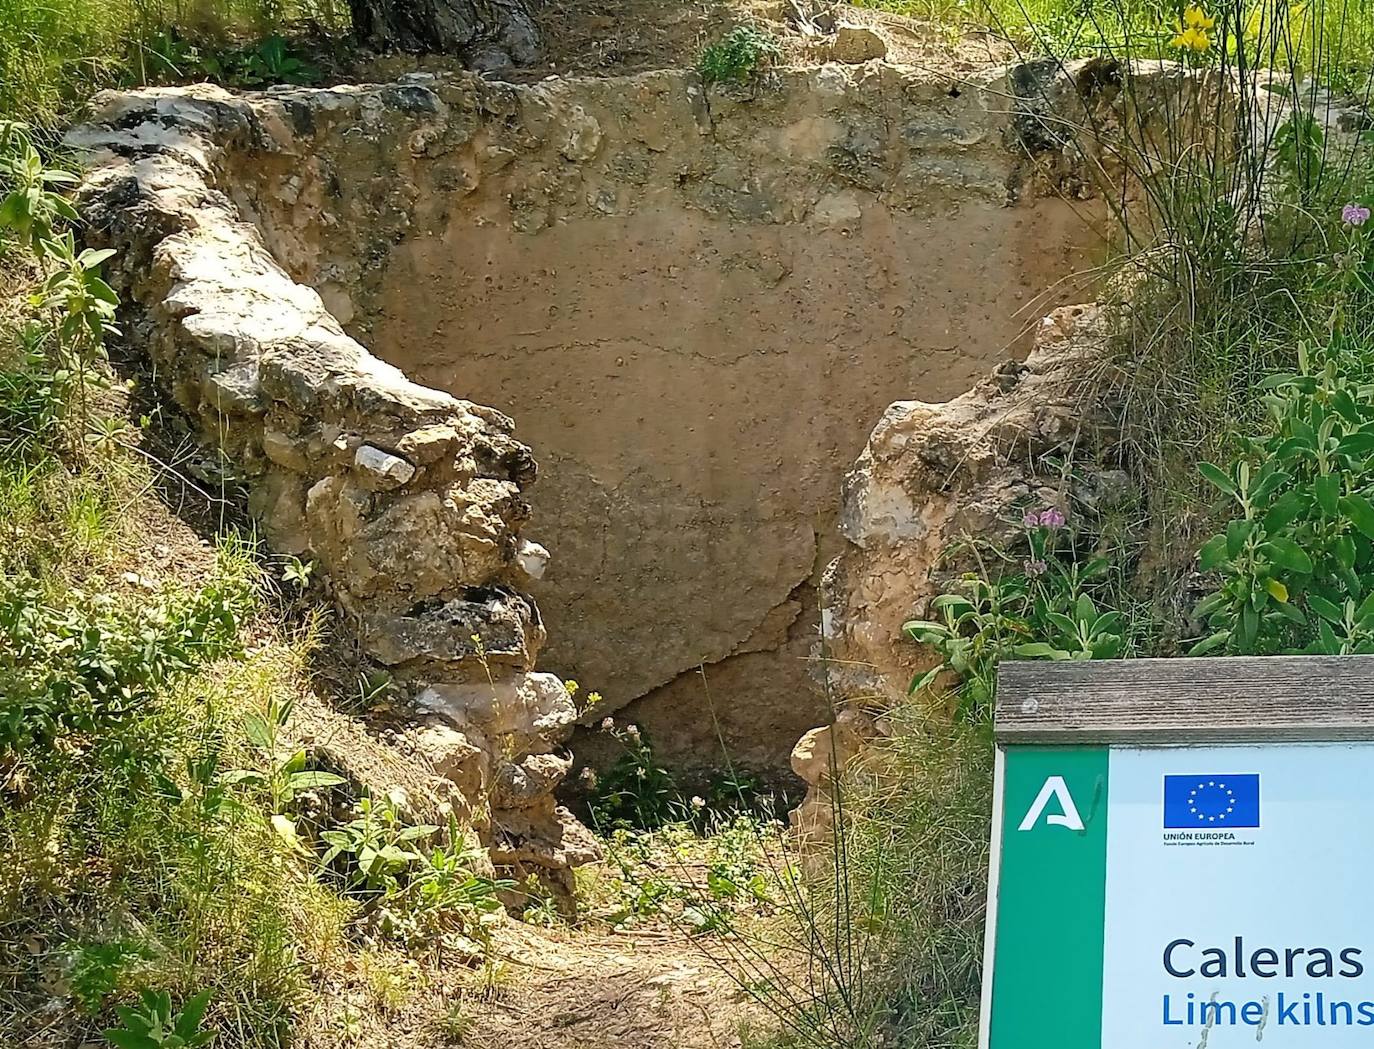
x: 445, y: 894
x: 413, y: 892
x: 81, y: 305
x: 97, y: 967
x: 286, y: 776
x: 378, y: 847
x: 1295, y: 564
x: 1044, y: 611
x: 737, y: 58
x: 75, y: 667
x: 31, y: 205
x: 153, y: 1024
x: 697, y: 877
x: 636, y: 791
x: 298, y: 573
x: 272, y: 61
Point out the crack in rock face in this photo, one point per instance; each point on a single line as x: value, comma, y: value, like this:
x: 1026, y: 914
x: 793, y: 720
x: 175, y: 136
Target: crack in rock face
x: 693, y: 299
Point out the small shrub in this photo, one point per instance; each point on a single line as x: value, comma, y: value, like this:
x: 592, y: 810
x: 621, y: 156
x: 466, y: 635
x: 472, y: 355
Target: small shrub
x: 1045, y: 611
x: 153, y: 1024
x: 739, y: 57
x: 1295, y: 562
x: 79, y: 665
x: 271, y: 60
x: 411, y: 891
x: 96, y: 970
x: 636, y: 791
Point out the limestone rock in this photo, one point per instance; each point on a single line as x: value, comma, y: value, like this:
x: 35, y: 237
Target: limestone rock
x: 583, y: 135
x: 856, y: 43
x: 490, y: 626
x: 410, y: 500
x: 533, y: 559
x: 384, y: 470
x: 522, y: 839
x: 451, y: 755
x: 824, y: 752
x: 533, y: 712
x: 518, y: 785
x: 234, y: 390
x: 932, y: 473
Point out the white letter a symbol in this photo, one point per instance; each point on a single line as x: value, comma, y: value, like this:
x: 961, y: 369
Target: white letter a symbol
x: 1056, y: 788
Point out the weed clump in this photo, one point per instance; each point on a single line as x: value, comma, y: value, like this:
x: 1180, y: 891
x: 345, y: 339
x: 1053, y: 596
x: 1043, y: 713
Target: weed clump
x: 739, y: 57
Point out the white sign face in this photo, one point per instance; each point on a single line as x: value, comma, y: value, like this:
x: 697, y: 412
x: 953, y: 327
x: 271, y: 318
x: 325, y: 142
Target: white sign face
x: 1232, y: 889
x: 1240, y: 932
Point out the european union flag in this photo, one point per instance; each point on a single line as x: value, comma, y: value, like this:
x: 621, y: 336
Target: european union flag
x: 1211, y: 800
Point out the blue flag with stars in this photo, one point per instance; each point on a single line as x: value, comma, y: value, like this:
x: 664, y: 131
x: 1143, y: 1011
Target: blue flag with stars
x: 1211, y: 800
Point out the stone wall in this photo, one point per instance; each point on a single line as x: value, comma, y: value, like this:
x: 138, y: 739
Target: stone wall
x: 931, y: 477
x: 695, y: 301
x: 412, y: 501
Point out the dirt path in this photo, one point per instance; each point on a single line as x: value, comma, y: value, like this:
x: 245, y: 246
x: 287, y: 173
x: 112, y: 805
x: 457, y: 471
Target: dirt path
x: 636, y: 990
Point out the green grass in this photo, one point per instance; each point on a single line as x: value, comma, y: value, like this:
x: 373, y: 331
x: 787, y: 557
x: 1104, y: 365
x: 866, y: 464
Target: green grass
x: 1334, y: 36
x: 55, y: 53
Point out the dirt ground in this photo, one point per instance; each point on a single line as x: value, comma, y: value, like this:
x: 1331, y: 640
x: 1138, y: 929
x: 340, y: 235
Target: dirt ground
x: 621, y: 37
x: 602, y: 37
x: 634, y: 990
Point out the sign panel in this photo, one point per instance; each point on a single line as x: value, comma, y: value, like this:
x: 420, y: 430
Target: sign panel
x: 1171, y: 897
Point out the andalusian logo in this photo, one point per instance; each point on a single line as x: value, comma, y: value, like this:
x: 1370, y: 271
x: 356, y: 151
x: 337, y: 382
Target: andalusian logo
x: 1054, y: 791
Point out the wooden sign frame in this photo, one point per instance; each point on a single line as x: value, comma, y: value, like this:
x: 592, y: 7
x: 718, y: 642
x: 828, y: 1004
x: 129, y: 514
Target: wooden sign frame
x: 1244, y: 699
x: 1071, y: 717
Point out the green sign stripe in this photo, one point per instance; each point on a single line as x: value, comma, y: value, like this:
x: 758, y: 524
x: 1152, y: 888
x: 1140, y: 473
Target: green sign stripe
x: 1051, y: 895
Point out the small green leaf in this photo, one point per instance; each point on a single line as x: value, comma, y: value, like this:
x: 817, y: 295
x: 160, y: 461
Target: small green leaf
x: 1249, y: 628
x: 188, y: 1023
x: 1287, y: 554
x: 235, y: 776
x: 129, y: 1040
x: 1209, y: 604
x: 1357, y: 444
x: 1210, y: 644
x: 1085, y: 610
x: 1344, y: 549
x: 1328, y: 491
x: 1361, y: 514
x: 1237, y: 533
x: 924, y: 630
x: 1213, y: 553
x: 1217, y: 477
x: 924, y: 681
x: 1039, y: 650
x: 1328, y: 643
x: 311, y: 780
x: 1346, y: 407
x: 1328, y: 610
x: 256, y: 729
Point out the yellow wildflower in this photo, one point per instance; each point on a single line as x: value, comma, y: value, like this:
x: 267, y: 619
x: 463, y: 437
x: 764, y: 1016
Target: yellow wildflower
x: 593, y: 698
x: 571, y: 686
x: 1191, y: 33
x: 1197, y: 18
